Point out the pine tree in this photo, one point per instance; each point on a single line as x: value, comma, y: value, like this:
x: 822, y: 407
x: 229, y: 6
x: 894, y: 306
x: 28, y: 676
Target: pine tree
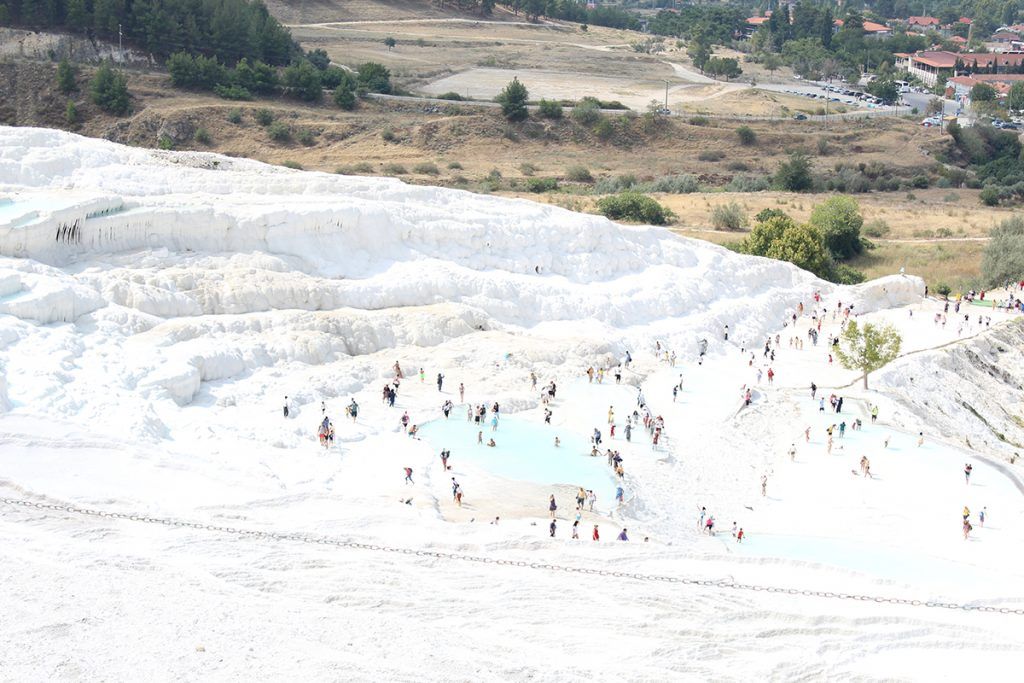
x: 78, y: 17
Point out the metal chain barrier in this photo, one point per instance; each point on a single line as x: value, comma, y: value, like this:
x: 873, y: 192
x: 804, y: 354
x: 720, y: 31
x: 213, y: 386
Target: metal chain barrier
x: 441, y: 555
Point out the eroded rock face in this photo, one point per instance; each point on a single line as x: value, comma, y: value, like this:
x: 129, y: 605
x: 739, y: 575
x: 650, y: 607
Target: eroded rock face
x: 971, y: 392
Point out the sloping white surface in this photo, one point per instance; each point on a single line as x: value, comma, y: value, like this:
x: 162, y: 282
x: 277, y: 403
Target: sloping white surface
x: 155, y: 309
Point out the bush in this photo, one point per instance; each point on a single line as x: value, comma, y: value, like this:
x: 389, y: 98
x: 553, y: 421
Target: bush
x: 294, y: 165
x: 307, y: 137
x: 550, y: 109
x: 333, y: 76
x: 235, y: 116
x: 165, y: 142
x: 345, y: 97
x: 394, y: 169
x: 361, y: 167
x: 202, y: 136
x: 303, y: 81
x: 71, y: 114
x: 578, y: 174
x: 840, y: 222
x: 728, y: 216
x: 232, y: 92
x: 264, y: 117
x: 746, y: 135
x: 109, y: 91
x: 794, y: 175
x: 633, y: 206
x: 454, y: 165
x: 603, y: 129
x: 1004, y: 256
x: 279, y: 132
x: 374, y: 77
x: 943, y: 290
x: 527, y: 169
x: 617, y: 184
x: 989, y: 196
x: 587, y: 111
x: 318, y: 58
x: 711, y: 155
x: 539, y: 185
x: 513, y: 100
x: 698, y: 121
x: 737, y: 166
x: 426, y: 168
x: 748, y: 183
x: 877, y: 228
x: 66, y: 77
x: 672, y: 184
x: 920, y: 182
x: 452, y: 95
x: 845, y: 275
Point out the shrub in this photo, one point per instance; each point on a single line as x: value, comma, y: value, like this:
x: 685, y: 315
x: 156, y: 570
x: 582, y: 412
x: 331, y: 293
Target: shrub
x: 279, y: 132
x: 845, y: 275
x: 361, y: 167
x: 345, y: 97
x: 66, y: 77
x: 737, y: 166
x: 746, y: 135
x: 672, y: 184
x: 235, y: 116
x: 943, y: 290
x: 232, y: 92
x: 318, y: 58
x: 748, y: 183
x: 604, y: 129
x: 294, y: 165
x: 943, y: 232
x: 264, y: 117
x: 394, y: 169
x: 840, y: 222
x: 71, y: 114
x: 617, y: 184
x: 587, y: 111
x: 824, y: 147
x: 333, y: 76
x: 1004, y: 256
x: 527, y: 169
x: 794, y: 175
x: 711, y: 155
x: 202, y: 136
x: 877, y: 228
x: 303, y: 81
x: 451, y: 95
x: 728, y: 216
x: 374, y: 77
x: 578, y: 174
x: 539, y: 185
x: 426, y: 168
x: 454, y: 165
x: 109, y: 91
x: 634, y: 206
x: 165, y: 142
x: 513, y: 100
x: 989, y: 196
x: 494, y: 175
x: 698, y: 121
x: 920, y: 182
x: 307, y: 137
x: 388, y: 135
x: 549, y: 109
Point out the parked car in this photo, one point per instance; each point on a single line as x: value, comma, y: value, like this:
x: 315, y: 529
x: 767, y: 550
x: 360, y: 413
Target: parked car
x: 800, y: 117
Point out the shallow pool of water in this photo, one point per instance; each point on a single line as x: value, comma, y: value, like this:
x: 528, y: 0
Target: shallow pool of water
x: 526, y: 451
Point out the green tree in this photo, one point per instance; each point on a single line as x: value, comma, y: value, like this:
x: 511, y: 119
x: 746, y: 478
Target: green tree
x: 884, y: 89
x: 725, y: 67
x: 983, y: 92
x: 550, y: 109
x: 794, y: 175
x: 319, y: 58
x: 840, y: 221
x: 513, y: 100
x: 779, y: 237
x: 345, y: 92
x: 700, y: 52
x: 1015, y: 99
x: 71, y: 114
x: 109, y: 91
x: 390, y: 42
x: 1004, y: 256
x: 374, y: 77
x: 634, y: 206
x: 867, y: 348
x: 746, y: 135
x: 771, y: 61
x: 78, y: 17
x: 66, y: 77
x: 303, y: 81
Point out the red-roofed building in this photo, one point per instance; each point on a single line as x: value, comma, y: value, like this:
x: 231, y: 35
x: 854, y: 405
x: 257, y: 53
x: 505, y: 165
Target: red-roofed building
x: 1004, y: 37
x: 754, y: 23
x: 928, y: 65
x: 871, y: 29
x: 923, y: 22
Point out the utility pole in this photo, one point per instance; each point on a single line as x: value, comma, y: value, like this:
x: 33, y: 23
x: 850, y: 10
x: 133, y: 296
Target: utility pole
x: 120, y: 48
x: 666, y: 95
